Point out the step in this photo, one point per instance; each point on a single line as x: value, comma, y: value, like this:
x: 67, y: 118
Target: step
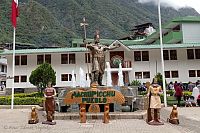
x: 140, y: 114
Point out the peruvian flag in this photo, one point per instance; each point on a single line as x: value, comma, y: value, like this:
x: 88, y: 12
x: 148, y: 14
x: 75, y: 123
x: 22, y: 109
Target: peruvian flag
x: 14, y: 12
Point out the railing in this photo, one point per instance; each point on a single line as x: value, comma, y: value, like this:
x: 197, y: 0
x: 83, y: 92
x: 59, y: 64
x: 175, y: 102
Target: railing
x: 125, y: 64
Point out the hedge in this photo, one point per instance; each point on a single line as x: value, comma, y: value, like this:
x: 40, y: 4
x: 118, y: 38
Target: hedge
x: 21, y: 101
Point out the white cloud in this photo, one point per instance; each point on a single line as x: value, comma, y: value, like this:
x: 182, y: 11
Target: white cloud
x: 177, y: 3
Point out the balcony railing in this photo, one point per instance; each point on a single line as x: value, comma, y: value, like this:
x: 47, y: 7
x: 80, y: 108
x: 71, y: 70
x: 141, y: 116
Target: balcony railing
x: 125, y: 64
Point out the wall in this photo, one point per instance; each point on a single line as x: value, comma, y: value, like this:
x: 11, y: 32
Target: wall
x: 191, y: 32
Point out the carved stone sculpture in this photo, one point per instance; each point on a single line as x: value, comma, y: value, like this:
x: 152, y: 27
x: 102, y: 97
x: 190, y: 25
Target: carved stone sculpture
x: 174, y: 116
x: 82, y: 115
x: 34, y: 116
x: 106, y: 116
x: 155, y: 102
x: 49, y: 94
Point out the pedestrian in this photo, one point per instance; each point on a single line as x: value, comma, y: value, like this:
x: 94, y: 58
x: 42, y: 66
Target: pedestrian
x: 171, y: 86
x: 178, y: 93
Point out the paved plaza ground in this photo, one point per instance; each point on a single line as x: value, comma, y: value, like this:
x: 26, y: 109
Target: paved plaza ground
x: 15, y: 121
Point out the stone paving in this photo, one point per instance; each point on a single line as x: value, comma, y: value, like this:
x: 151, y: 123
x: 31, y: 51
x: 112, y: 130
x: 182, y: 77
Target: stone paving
x: 15, y: 121
x: 189, y: 118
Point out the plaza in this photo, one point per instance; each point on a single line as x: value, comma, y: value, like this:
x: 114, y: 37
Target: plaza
x: 17, y: 122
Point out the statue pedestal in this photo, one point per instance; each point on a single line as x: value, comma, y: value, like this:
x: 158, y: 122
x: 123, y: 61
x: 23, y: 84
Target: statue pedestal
x: 32, y: 122
x: 49, y: 123
x: 153, y: 122
x: 173, y: 121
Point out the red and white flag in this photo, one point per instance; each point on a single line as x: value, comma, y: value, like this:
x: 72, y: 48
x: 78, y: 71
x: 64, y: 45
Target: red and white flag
x: 14, y: 12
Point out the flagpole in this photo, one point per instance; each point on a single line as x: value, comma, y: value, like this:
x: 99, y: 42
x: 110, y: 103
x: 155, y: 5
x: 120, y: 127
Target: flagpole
x: 13, y: 70
x: 161, y: 51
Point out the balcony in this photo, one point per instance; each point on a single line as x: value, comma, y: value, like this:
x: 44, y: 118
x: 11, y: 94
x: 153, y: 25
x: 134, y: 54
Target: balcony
x: 126, y: 66
x: 173, y: 37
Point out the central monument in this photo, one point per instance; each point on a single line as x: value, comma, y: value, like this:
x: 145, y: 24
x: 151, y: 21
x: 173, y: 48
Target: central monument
x: 97, y: 51
x: 98, y: 58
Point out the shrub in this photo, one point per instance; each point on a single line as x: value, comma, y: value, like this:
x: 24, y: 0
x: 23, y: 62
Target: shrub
x: 170, y: 92
x: 135, y: 83
x: 187, y: 93
x: 21, y: 101
x: 143, y: 93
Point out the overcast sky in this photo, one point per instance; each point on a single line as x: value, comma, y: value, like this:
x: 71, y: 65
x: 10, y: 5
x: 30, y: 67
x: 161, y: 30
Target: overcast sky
x: 178, y: 3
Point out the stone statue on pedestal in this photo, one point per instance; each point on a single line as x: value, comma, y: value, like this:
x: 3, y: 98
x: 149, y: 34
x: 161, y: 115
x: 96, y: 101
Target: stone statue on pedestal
x: 98, y: 58
x: 34, y: 116
x: 49, y: 94
x: 82, y: 115
x: 154, y: 92
x: 174, y: 116
x: 106, y: 116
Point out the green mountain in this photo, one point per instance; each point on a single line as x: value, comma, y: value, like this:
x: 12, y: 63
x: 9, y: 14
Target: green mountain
x: 53, y: 22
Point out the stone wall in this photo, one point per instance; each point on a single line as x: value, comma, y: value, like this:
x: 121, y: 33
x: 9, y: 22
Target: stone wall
x: 142, y: 102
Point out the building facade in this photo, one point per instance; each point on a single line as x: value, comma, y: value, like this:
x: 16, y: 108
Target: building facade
x: 140, y: 60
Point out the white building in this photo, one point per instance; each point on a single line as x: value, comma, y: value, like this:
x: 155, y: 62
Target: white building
x: 3, y: 70
x: 141, y: 59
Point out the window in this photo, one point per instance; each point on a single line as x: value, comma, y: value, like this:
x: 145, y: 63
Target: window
x: 174, y: 74
x: 167, y: 74
x: 40, y: 59
x: 190, y: 53
x: 198, y: 73
x: 67, y: 77
x: 173, y: 55
x: 48, y: 58
x: 138, y: 75
x: 24, y: 78
x: 145, y: 55
x: 146, y: 75
x: 88, y: 76
x: 3, y: 68
x: 75, y: 45
x: 24, y: 60
x: 72, y: 59
x: 70, y: 77
x: 192, y: 73
x: 16, y: 79
x: 169, y: 54
x: 87, y: 58
x: 141, y: 55
x: 64, y: 58
x: 137, y: 56
x: 197, y: 53
x: 17, y: 59
x: 177, y: 28
x: 64, y: 77
x: 165, y: 55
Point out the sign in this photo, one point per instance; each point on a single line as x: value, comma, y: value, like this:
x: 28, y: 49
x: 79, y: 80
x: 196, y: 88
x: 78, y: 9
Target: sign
x: 94, y: 96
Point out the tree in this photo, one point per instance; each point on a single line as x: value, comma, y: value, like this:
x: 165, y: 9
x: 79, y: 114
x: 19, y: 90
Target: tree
x: 160, y: 79
x: 42, y: 75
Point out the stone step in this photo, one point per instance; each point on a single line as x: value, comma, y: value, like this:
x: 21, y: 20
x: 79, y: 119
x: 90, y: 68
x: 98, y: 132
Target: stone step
x: 140, y: 114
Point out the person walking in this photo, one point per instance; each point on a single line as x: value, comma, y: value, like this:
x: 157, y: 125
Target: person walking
x: 178, y: 93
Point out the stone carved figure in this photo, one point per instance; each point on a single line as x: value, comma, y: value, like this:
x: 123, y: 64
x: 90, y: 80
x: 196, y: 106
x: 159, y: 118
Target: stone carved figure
x: 49, y: 94
x: 155, y: 102
x: 174, y: 116
x: 34, y: 116
x: 106, y: 116
x: 98, y: 58
x: 82, y: 115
